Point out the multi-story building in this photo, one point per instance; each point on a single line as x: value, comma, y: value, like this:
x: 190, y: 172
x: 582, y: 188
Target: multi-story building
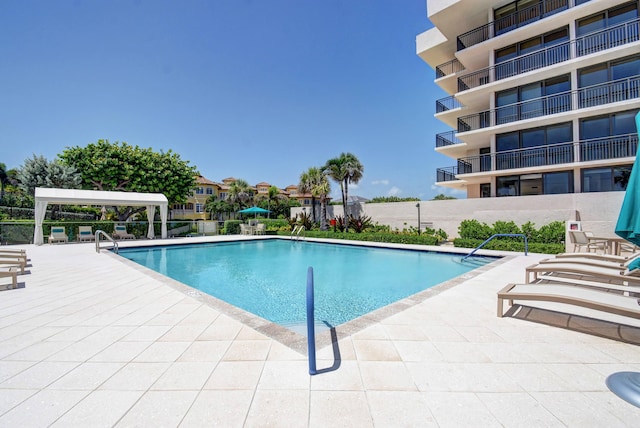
x: 543, y: 94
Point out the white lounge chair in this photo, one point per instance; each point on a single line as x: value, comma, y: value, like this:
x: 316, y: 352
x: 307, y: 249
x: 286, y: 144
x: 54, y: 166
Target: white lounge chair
x: 592, y: 272
x: 15, y: 263
x: 10, y: 272
x: 570, y: 294
x: 120, y: 232
x: 58, y: 234
x: 85, y: 233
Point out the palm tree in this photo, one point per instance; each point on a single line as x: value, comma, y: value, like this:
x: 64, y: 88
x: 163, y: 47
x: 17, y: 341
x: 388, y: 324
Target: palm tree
x: 345, y: 169
x: 321, y: 190
x: 272, y: 195
x: 308, y: 180
x: 239, y: 194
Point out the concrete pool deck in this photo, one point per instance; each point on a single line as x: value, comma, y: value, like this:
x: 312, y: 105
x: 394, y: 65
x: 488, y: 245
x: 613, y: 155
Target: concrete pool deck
x: 90, y: 340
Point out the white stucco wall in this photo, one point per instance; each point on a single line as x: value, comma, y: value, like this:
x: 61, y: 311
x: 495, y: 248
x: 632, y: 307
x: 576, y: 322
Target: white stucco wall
x: 598, y: 212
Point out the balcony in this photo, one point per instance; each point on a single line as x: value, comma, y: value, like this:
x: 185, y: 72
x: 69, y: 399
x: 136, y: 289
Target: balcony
x: 513, y: 21
x: 446, y: 104
x: 448, y: 138
x: 614, y: 147
x: 617, y: 35
x: 590, y: 96
x: 446, y: 174
x: 448, y: 68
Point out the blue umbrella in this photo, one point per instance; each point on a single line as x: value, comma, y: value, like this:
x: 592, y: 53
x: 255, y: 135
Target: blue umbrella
x: 628, y: 226
x: 626, y: 385
x: 254, y: 210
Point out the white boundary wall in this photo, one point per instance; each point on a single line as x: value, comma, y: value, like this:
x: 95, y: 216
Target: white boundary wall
x: 598, y: 212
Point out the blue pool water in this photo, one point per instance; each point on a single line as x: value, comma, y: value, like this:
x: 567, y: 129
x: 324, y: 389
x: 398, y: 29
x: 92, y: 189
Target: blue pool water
x: 268, y: 277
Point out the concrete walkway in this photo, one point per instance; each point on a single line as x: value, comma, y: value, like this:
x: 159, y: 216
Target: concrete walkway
x: 89, y: 340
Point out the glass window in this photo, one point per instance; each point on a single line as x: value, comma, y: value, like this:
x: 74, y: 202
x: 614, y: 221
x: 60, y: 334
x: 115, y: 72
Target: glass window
x: 622, y: 14
x: 199, y: 208
x: 593, y: 75
x: 531, y: 184
x: 556, y: 37
x: 507, y: 186
x: 624, y: 123
x: 597, y: 180
x: 561, y: 133
x: 627, y: 68
x: 485, y: 190
x: 199, y: 191
x: 591, y: 24
x: 621, y: 177
x: 530, y: 45
x: 556, y: 183
x: 510, y: 141
x: 533, y: 137
x: 595, y: 127
x: 209, y: 191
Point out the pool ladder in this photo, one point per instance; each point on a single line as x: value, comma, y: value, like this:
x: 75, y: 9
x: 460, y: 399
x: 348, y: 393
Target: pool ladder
x: 109, y: 238
x: 297, y: 231
x: 526, y: 243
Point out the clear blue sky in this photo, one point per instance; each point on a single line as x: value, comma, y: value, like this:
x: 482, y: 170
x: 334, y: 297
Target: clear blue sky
x: 255, y: 89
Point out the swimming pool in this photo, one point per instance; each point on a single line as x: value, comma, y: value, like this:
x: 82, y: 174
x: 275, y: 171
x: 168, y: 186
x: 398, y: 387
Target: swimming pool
x: 268, y: 277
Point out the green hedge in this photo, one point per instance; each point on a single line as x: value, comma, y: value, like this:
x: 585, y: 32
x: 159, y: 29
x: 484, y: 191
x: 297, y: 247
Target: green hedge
x: 232, y: 227
x: 509, y: 244
x: 395, y: 238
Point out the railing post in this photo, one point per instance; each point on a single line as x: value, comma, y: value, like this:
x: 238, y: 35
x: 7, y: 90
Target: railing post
x: 311, y: 323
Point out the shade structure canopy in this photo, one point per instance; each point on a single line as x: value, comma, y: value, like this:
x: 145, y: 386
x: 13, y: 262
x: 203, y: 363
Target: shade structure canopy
x: 254, y: 210
x: 628, y: 225
x: 45, y: 196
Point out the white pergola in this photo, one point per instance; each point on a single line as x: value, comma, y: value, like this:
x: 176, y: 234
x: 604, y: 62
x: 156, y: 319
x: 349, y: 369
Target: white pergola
x: 46, y: 196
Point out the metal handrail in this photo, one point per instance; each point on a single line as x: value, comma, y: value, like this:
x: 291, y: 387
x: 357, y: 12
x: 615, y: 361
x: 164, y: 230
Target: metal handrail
x: 109, y: 238
x: 526, y: 244
x: 595, y: 95
x: 607, y: 38
x: 311, y: 323
x: 297, y: 230
x: 512, y: 21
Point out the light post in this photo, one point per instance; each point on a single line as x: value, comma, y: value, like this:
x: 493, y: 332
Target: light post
x: 418, y: 207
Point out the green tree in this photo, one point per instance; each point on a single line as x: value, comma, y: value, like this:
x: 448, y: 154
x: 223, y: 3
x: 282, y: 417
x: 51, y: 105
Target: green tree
x: 4, y: 179
x: 345, y: 169
x: 38, y: 172
x: 273, y: 195
x: 442, y: 197
x: 240, y: 194
x: 216, y: 207
x: 120, y: 166
x: 308, y: 180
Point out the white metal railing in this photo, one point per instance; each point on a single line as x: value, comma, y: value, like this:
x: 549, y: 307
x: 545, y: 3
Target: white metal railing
x: 109, y: 238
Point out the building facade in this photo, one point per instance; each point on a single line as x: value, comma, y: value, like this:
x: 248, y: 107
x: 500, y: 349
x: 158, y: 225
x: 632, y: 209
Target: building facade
x: 542, y: 94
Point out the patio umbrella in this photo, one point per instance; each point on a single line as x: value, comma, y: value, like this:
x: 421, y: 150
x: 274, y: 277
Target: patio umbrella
x: 628, y: 226
x: 254, y: 210
x: 626, y: 385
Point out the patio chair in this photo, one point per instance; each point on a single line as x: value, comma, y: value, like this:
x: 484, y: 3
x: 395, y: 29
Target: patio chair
x: 605, y: 301
x: 58, y: 234
x: 120, y: 232
x: 260, y: 229
x: 10, y: 272
x: 581, y: 240
x: 85, y: 234
x: 245, y: 229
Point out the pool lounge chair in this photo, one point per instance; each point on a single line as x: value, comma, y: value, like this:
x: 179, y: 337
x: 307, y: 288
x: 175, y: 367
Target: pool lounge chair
x: 16, y: 263
x: 10, y: 272
x: 594, y: 256
x: 58, y: 235
x: 569, y: 294
x: 85, y: 234
x: 618, y: 275
x: 120, y: 232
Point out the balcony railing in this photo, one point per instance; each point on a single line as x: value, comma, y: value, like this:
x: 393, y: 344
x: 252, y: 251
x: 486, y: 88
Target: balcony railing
x: 626, y: 32
x: 614, y: 147
x: 590, y: 96
x: 446, y: 174
x: 447, y: 139
x: 448, y: 68
x: 510, y: 22
x: 446, y: 104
